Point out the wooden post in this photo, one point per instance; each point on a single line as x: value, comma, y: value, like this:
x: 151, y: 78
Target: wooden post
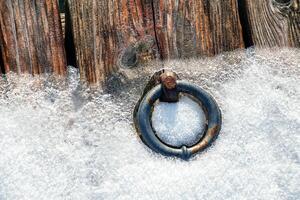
x: 30, y: 37
x: 113, y: 33
x: 110, y: 33
x: 274, y: 22
x: 197, y: 27
x: 2, y: 70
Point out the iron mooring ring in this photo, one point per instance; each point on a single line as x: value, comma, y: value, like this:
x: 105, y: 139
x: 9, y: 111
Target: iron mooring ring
x: 147, y: 134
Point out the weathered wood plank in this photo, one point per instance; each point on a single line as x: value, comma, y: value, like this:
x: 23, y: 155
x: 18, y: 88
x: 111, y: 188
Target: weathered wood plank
x: 197, y: 27
x: 109, y: 33
x: 31, y: 37
x: 112, y: 33
x: 274, y: 22
x: 2, y: 71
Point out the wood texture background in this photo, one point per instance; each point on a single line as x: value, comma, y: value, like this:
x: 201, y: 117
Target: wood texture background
x: 2, y: 71
x: 30, y: 37
x: 104, y: 29
x: 197, y: 28
x: 107, y: 32
x: 274, y: 22
x: 105, y: 35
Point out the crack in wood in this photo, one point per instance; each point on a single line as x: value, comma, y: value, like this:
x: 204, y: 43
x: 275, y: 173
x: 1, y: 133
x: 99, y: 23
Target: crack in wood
x: 247, y: 36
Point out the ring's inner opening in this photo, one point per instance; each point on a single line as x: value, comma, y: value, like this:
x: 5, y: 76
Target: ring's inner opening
x: 181, y: 123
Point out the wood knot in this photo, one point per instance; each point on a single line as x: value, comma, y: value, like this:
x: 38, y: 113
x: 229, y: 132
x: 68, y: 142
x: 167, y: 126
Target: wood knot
x: 140, y: 52
x: 287, y: 7
x: 129, y: 57
x: 283, y: 2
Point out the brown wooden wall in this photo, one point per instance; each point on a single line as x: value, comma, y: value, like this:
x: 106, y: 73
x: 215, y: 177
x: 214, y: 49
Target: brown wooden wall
x: 2, y: 71
x: 104, y: 35
x: 109, y: 34
x: 196, y: 28
x: 105, y: 30
x: 30, y: 37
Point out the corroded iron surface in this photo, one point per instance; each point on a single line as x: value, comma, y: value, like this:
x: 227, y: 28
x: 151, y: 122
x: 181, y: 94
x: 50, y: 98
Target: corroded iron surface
x: 160, y: 82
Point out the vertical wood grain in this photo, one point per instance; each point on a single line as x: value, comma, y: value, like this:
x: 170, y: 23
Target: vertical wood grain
x: 31, y: 37
x: 197, y: 27
x: 2, y: 71
x: 274, y: 22
x: 104, y: 30
x: 108, y: 33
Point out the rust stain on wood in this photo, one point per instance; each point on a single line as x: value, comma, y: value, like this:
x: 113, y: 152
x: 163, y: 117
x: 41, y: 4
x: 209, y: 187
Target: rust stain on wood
x: 31, y: 37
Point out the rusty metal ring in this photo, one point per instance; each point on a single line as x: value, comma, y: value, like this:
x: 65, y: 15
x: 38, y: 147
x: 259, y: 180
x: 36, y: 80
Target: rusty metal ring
x: 148, y: 135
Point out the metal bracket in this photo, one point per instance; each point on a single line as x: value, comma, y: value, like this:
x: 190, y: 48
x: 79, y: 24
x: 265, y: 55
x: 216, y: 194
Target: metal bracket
x: 169, y: 87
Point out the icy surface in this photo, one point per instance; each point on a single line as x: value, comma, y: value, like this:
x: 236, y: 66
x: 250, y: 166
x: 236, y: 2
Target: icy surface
x: 62, y: 140
x: 180, y: 123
